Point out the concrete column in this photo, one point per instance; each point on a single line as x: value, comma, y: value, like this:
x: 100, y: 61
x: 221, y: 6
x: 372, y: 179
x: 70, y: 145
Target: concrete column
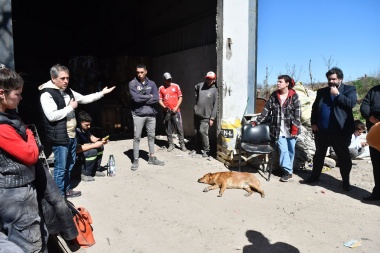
x: 6, y: 35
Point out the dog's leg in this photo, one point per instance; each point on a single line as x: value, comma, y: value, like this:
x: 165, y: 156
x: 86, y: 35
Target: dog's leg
x: 222, y: 189
x: 212, y: 187
x: 258, y: 189
x: 249, y: 191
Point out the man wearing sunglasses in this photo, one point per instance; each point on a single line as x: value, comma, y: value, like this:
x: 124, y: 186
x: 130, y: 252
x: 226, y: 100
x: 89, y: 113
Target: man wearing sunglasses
x: 144, y: 96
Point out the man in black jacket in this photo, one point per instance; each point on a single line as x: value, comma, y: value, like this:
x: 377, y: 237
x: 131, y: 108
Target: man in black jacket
x: 370, y: 110
x: 332, y: 123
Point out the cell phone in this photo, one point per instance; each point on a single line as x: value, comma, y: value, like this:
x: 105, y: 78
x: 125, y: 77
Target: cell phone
x: 106, y: 138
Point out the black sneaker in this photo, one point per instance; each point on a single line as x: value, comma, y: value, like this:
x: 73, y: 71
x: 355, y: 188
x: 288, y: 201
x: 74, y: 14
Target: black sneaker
x: 154, y: 161
x: 135, y: 164
x: 286, y: 178
x: 310, y: 180
x: 72, y: 194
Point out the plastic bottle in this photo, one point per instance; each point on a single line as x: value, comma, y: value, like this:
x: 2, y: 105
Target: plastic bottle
x: 111, y: 166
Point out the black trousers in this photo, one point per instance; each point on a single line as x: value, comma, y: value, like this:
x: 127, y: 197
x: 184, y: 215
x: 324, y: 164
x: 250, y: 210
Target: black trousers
x: 340, y: 142
x: 375, y: 159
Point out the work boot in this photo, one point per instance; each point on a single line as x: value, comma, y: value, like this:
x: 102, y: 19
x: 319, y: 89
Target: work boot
x: 154, y: 161
x: 170, y: 148
x: 205, y: 153
x: 72, y: 194
x: 135, y: 164
x: 183, y: 148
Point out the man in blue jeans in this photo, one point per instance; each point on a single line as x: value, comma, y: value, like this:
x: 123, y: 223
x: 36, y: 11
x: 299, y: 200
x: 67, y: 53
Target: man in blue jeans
x: 144, y: 96
x: 58, y: 104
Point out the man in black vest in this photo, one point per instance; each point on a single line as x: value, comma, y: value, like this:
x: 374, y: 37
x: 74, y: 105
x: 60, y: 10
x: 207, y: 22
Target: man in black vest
x: 58, y: 105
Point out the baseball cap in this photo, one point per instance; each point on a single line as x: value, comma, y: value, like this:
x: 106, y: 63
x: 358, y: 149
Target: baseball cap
x: 167, y: 76
x: 211, y: 75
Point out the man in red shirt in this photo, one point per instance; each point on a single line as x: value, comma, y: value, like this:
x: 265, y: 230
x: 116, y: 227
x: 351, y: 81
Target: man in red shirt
x: 170, y: 100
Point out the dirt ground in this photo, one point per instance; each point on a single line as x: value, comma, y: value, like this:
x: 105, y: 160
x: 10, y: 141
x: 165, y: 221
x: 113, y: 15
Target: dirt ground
x: 164, y: 209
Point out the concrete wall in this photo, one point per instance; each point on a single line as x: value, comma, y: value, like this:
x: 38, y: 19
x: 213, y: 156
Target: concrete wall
x: 187, y: 68
x: 237, y: 55
x: 6, y: 34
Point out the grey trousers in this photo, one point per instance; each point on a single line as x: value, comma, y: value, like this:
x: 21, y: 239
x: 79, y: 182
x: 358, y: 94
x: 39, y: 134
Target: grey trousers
x: 201, y: 127
x: 138, y: 123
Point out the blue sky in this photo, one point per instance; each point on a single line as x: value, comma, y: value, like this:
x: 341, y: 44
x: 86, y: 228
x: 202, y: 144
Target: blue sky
x: 293, y: 32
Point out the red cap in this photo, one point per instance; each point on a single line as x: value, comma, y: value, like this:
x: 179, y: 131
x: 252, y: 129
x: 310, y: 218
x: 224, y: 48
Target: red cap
x: 211, y: 75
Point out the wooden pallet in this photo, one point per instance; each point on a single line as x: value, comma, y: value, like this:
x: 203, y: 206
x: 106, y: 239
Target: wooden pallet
x: 228, y: 157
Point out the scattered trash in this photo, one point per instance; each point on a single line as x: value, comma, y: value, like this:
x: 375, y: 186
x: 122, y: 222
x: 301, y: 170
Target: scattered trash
x: 238, y: 248
x: 323, y: 191
x: 179, y: 155
x: 352, y: 243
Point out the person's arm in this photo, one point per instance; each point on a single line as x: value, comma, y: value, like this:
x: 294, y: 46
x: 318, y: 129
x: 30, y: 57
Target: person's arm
x: 50, y: 108
x: 348, y: 96
x: 154, y: 94
x: 296, y: 124
x: 267, y: 111
x: 88, y: 146
x: 136, y: 95
x: 175, y: 109
x: 26, y: 152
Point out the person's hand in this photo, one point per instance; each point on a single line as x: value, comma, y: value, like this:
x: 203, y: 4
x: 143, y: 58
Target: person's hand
x: 364, y: 143
x: 98, y: 144
x: 314, y: 128
x: 73, y: 104
x: 211, y: 122
x: 107, y: 90
x: 175, y: 109
x: 373, y: 119
x: 334, y: 91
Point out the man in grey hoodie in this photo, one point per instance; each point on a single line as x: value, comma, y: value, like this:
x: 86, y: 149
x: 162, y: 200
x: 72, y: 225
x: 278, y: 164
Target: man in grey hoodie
x: 58, y: 105
x: 206, y: 105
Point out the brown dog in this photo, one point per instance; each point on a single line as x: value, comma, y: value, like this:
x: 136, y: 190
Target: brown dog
x: 232, y: 180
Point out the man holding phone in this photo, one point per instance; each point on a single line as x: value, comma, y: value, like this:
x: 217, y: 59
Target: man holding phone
x: 90, y: 149
x: 332, y: 122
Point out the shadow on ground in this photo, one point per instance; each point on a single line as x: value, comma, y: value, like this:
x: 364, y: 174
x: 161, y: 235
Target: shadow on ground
x: 259, y: 243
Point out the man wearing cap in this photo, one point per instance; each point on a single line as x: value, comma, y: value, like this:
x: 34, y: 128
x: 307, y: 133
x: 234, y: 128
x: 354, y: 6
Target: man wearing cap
x: 206, y: 99
x: 170, y: 100
x: 144, y: 96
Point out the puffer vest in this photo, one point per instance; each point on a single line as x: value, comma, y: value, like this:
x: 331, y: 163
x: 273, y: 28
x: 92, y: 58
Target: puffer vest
x: 56, y: 132
x: 12, y: 173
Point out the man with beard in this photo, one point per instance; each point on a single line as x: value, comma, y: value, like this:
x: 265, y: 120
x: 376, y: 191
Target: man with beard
x: 332, y: 123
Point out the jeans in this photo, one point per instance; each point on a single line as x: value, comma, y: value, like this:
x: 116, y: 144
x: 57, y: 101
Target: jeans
x: 20, y: 219
x: 286, y: 147
x: 64, y: 160
x: 139, y: 122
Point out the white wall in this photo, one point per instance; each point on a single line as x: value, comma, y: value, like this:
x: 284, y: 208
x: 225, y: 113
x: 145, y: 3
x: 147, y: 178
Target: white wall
x: 237, y: 65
